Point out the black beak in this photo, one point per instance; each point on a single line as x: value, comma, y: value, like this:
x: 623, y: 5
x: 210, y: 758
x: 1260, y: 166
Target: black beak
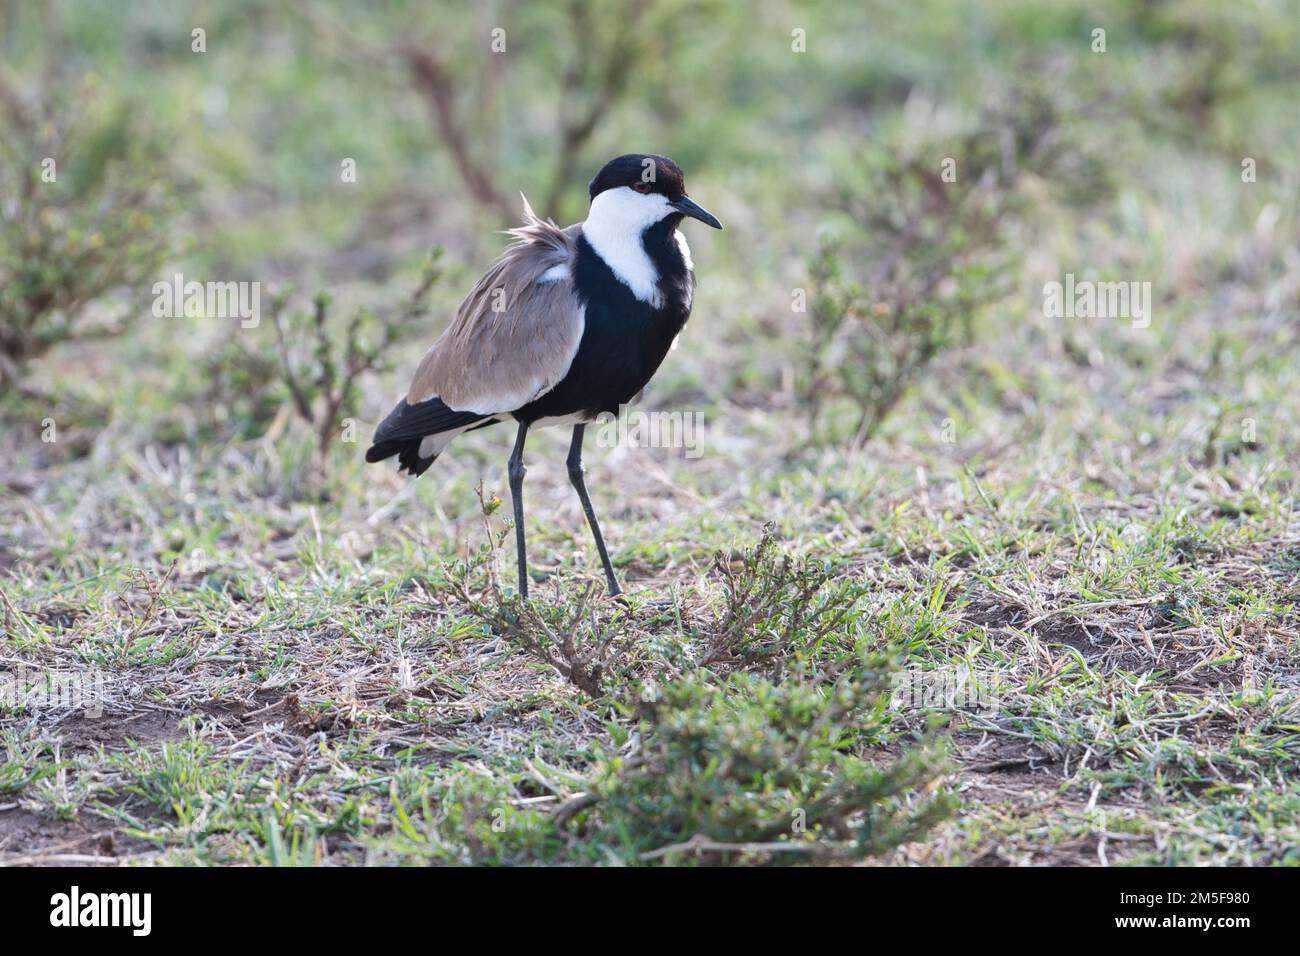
x: 688, y: 207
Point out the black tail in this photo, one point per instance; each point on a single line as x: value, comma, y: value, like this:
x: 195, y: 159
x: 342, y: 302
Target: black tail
x: 406, y: 426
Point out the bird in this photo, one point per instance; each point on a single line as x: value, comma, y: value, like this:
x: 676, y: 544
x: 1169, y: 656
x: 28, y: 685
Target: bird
x: 567, y: 325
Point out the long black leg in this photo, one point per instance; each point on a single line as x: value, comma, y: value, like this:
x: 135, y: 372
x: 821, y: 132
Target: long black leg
x: 516, y: 471
x: 575, y: 476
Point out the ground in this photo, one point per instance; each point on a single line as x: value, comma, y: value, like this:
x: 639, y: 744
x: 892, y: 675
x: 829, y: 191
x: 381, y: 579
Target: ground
x: 1121, y: 583
x: 1060, y: 577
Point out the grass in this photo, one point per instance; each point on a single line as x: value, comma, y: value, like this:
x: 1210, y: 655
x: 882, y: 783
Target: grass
x: 1059, y: 579
x: 315, y: 691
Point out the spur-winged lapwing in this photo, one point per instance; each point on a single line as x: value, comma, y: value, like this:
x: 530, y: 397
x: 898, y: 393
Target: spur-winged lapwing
x: 567, y: 325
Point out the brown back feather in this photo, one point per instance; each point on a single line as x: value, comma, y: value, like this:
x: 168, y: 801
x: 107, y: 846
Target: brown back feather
x: 513, y: 337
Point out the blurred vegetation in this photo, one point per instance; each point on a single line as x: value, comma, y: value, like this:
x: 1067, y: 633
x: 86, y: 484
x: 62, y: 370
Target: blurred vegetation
x: 84, y: 214
x: 846, y: 139
x: 324, y: 384
x: 937, y: 228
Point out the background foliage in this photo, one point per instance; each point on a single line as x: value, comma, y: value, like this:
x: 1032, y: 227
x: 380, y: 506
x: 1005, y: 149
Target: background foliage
x: 1091, y: 526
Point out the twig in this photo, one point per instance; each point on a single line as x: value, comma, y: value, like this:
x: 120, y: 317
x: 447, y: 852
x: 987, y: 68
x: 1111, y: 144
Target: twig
x: 573, y: 806
x: 434, y: 83
x: 702, y: 844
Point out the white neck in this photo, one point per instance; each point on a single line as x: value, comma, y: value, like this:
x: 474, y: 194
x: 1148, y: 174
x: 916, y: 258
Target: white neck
x: 614, y: 227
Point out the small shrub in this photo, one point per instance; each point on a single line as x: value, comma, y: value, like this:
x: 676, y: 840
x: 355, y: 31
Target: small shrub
x: 321, y: 366
x: 100, y: 226
x: 929, y: 252
x: 775, y: 606
x: 742, y: 768
x: 240, y: 392
x: 576, y: 642
x: 871, y: 338
x: 310, y: 371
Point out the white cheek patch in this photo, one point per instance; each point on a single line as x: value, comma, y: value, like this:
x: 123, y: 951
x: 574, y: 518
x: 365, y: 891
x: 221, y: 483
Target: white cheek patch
x: 614, y: 227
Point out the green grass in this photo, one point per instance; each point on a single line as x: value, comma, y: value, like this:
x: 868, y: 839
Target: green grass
x: 1089, y: 528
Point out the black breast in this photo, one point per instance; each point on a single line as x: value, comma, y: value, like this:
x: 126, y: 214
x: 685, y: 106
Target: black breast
x: 624, y: 340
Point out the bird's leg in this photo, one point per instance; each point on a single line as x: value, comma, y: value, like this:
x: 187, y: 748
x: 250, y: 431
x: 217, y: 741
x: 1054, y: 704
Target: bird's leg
x: 575, y: 476
x: 516, y: 472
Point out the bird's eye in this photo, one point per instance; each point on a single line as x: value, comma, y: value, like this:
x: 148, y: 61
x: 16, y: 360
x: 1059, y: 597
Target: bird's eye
x: 641, y: 187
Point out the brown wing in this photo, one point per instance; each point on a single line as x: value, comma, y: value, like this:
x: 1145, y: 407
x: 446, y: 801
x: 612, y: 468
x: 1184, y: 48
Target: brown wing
x: 516, y: 333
